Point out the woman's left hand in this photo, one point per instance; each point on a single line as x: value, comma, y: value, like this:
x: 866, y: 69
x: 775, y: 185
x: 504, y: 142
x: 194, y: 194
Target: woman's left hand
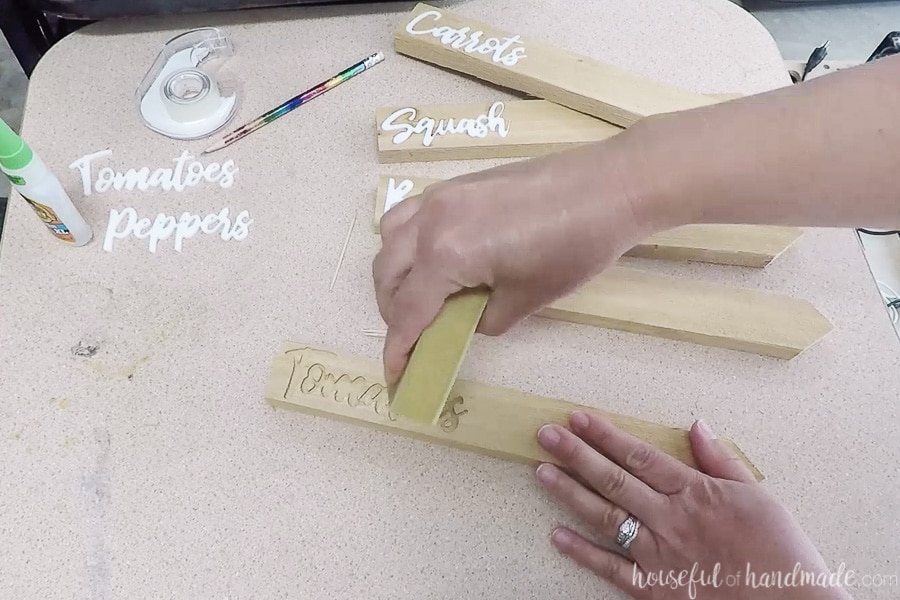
x: 709, y: 534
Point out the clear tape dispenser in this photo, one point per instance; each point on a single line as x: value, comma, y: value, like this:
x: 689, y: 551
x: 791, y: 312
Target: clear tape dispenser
x: 186, y: 94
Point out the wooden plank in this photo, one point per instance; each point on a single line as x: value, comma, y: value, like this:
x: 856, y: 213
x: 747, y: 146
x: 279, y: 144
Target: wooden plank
x: 738, y: 245
x: 514, y: 129
x: 489, y: 420
x: 686, y: 310
x: 692, y: 311
x: 742, y: 245
x: 511, y: 129
x: 437, y: 357
x: 446, y: 39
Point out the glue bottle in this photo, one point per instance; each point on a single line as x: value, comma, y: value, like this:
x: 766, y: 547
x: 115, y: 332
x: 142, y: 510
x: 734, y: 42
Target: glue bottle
x: 41, y: 189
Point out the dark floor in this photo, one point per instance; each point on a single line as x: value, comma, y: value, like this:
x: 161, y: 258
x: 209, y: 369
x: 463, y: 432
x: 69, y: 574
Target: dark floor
x: 13, y: 84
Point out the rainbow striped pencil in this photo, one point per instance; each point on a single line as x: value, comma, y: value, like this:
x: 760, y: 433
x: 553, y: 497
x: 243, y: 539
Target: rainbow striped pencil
x: 296, y: 102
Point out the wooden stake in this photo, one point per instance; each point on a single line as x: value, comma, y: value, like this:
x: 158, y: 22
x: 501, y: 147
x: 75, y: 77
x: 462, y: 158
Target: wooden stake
x: 741, y: 245
x: 489, y: 420
x: 515, y: 129
x: 686, y: 310
x: 691, y: 311
x: 504, y: 58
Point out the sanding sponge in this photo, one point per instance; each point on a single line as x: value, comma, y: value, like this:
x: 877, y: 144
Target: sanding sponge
x: 434, y: 363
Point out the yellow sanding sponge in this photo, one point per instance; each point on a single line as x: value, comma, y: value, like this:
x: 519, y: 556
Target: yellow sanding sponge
x: 423, y: 389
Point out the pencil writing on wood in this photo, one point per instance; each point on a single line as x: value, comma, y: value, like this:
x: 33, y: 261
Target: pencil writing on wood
x: 343, y: 252
x: 296, y: 102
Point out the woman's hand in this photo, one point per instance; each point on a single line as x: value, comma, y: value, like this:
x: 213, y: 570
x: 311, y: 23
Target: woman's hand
x: 694, y: 525
x: 531, y: 231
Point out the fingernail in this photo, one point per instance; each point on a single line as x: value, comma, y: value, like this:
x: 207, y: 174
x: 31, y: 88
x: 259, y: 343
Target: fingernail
x: 705, y: 429
x: 548, y: 436
x: 579, y: 420
x: 546, y: 473
x: 392, y: 374
x: 562, y: 539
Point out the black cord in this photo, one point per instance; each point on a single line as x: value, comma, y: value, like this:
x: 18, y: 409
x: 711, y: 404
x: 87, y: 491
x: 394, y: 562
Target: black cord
x: 815, y: 59
x: 871, y: 232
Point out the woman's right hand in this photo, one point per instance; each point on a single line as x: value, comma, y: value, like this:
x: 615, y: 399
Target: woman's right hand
x: 530, y: 231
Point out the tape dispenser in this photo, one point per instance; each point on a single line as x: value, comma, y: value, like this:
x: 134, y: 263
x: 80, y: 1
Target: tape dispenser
x: 186, y: 94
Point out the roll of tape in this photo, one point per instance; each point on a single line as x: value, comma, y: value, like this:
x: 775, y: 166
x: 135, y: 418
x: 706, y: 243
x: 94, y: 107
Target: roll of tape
x: 179, y: 98
x: 190, y: 95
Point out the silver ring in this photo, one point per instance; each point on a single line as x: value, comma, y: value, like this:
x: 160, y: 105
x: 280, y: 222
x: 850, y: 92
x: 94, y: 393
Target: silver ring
x: 628, y: 531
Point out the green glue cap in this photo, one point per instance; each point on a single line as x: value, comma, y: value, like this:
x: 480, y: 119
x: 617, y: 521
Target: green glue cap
x: 14, y: 152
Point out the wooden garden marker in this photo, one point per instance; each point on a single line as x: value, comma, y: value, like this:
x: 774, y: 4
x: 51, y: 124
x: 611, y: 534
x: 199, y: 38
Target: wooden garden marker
x: 489, y: 420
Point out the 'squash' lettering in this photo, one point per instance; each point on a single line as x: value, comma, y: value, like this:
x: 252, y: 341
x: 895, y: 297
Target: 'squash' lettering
x: 470, y: 41
x: 479, y: 127
x: 179, y: 178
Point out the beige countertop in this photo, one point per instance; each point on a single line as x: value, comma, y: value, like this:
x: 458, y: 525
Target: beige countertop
x: 139, y: 458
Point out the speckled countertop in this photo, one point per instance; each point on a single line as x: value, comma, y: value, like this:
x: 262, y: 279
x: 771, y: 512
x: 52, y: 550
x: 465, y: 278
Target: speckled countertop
x: 139, y: 458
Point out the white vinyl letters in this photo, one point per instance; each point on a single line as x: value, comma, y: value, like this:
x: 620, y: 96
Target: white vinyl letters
x: 430, y: 129
x: 396, y: 193
x: 507, y: 51
x: 126, y: 223
x: 178, y: 178
x: 186, y: 173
